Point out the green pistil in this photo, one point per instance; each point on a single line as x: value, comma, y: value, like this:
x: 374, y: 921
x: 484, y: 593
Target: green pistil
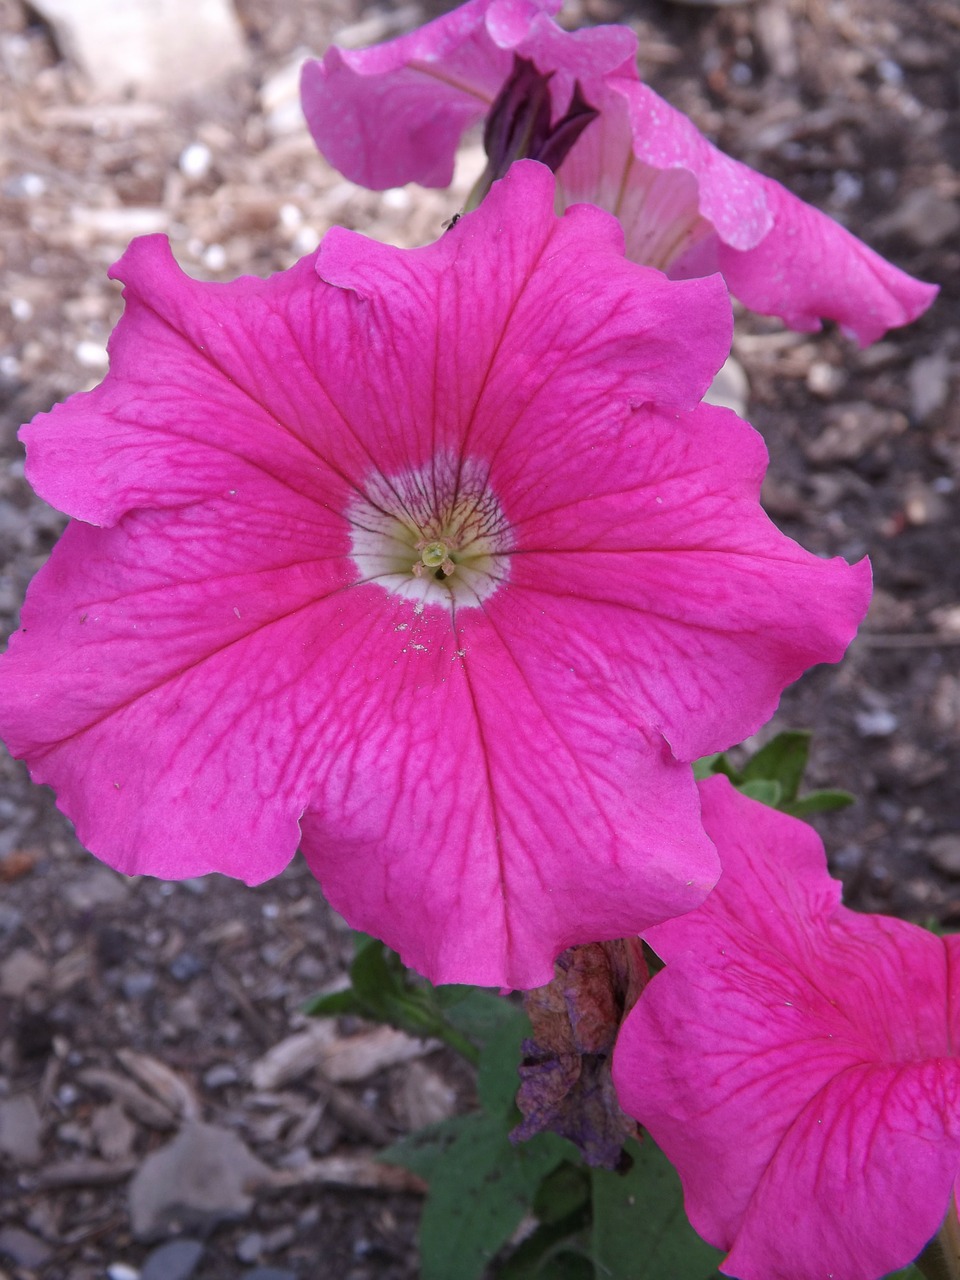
x: 436, y: 556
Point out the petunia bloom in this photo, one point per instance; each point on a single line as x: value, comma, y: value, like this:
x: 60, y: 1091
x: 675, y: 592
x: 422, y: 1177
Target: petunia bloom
x: 395, y: 113
x: 798, y: 1061
x: 428, y: 561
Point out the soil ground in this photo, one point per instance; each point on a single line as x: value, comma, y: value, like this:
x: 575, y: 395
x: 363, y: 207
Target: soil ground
x: 855, y: 105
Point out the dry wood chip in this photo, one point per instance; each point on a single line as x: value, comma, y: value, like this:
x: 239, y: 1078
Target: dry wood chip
x: 293, y: 1057
x: 359, y: 1057
x: 342, y: 1060
x: 172, y: 1090
x: 82, y: 1173
x: 857, y: 429
x: 349, y: 1171
x: 353, y: 1115
x: 113, y: 1132
x: 141, y: 1106
x: 72, y: 969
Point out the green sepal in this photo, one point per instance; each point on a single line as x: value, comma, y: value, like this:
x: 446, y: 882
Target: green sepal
x: 773, y: 776
x: 825, y: 801
x: 782, y: 760
x: 765, y: 790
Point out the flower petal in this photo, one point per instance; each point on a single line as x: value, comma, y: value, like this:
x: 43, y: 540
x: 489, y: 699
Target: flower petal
x: 809, y: 268
x: 794, y: 1061
x: 395, y: 113
x: 384, y: 557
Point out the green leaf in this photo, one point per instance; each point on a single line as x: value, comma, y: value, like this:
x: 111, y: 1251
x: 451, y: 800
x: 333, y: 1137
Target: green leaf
x: 549, y: 1253
x: 640, y: 1230
x: 335, y: 1004
x: 558, y: 1248
x: 566, y: 1191
x: 497, y: 1078
x: 818, y: 802
x: 782, y: 760
x: 706, y: 766
x: 719, y: 763
x: 481, y: 1013
x: 423, y: 1152
x: 452, y: 994
x: 481, y: 1185
x: 766, y: 790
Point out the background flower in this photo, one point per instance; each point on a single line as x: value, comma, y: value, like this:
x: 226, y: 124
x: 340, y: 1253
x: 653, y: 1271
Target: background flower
x: 797, y: 1061
x: 421, y: 556
x: 395, y: 113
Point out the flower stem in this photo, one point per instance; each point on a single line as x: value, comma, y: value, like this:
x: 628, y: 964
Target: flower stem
x: 456, y: 1040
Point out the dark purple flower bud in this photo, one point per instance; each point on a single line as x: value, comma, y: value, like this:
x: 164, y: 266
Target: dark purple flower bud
x: 519, y: 126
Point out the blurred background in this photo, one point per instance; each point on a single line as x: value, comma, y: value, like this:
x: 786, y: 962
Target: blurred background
x: 134, y: 1011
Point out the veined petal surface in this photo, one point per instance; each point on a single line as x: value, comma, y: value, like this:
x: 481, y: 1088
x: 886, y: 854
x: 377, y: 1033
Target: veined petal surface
x: 427, y: 557
x: 798, y: 1061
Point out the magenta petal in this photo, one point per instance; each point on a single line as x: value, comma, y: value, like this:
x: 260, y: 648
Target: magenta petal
x: 796, y: 1062
x: 808, y: 268
x: 430, y: 556
x: 395, y: 113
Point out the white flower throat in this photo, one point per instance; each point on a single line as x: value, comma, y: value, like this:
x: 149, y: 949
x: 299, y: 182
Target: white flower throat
x: 437, y: 534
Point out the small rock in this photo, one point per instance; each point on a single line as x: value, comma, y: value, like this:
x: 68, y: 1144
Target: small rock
x: 280, y: 96
x: 926, y: 218
x: 174, y: 1261
x: 20, y: 1129
x: 929, y: 383
x: 10, y: 919
x: 945, y: 705
x: 250, y: 1247
x: 120, y: 1271
x: 195, y: 161
x: 21, y: 971
x: 25, y: 1249
x: 730, y: 388
x: 220, y: 1075
x: 162, y: 50
x: 185, y: 1014
x: 858, y: 427
x: 922, y: 504
x: 203, y: 1177
x: 877, y: 723
x: 824, y: 379
x: 113, y: 1132
x: 137, y: 985
x: 186, y: 966
x: 98, y: 888
x: 92, y: 355
x: 944, y: 852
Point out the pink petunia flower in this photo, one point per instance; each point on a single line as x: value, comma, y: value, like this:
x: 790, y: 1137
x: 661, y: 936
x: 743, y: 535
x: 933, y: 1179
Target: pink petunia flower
x: 425, y: 560
x: 395, y: 113
x: 798, y: 1062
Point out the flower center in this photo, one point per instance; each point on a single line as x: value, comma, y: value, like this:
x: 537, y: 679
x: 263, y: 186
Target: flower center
x: 434, y: 555
x: 436, y: 535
